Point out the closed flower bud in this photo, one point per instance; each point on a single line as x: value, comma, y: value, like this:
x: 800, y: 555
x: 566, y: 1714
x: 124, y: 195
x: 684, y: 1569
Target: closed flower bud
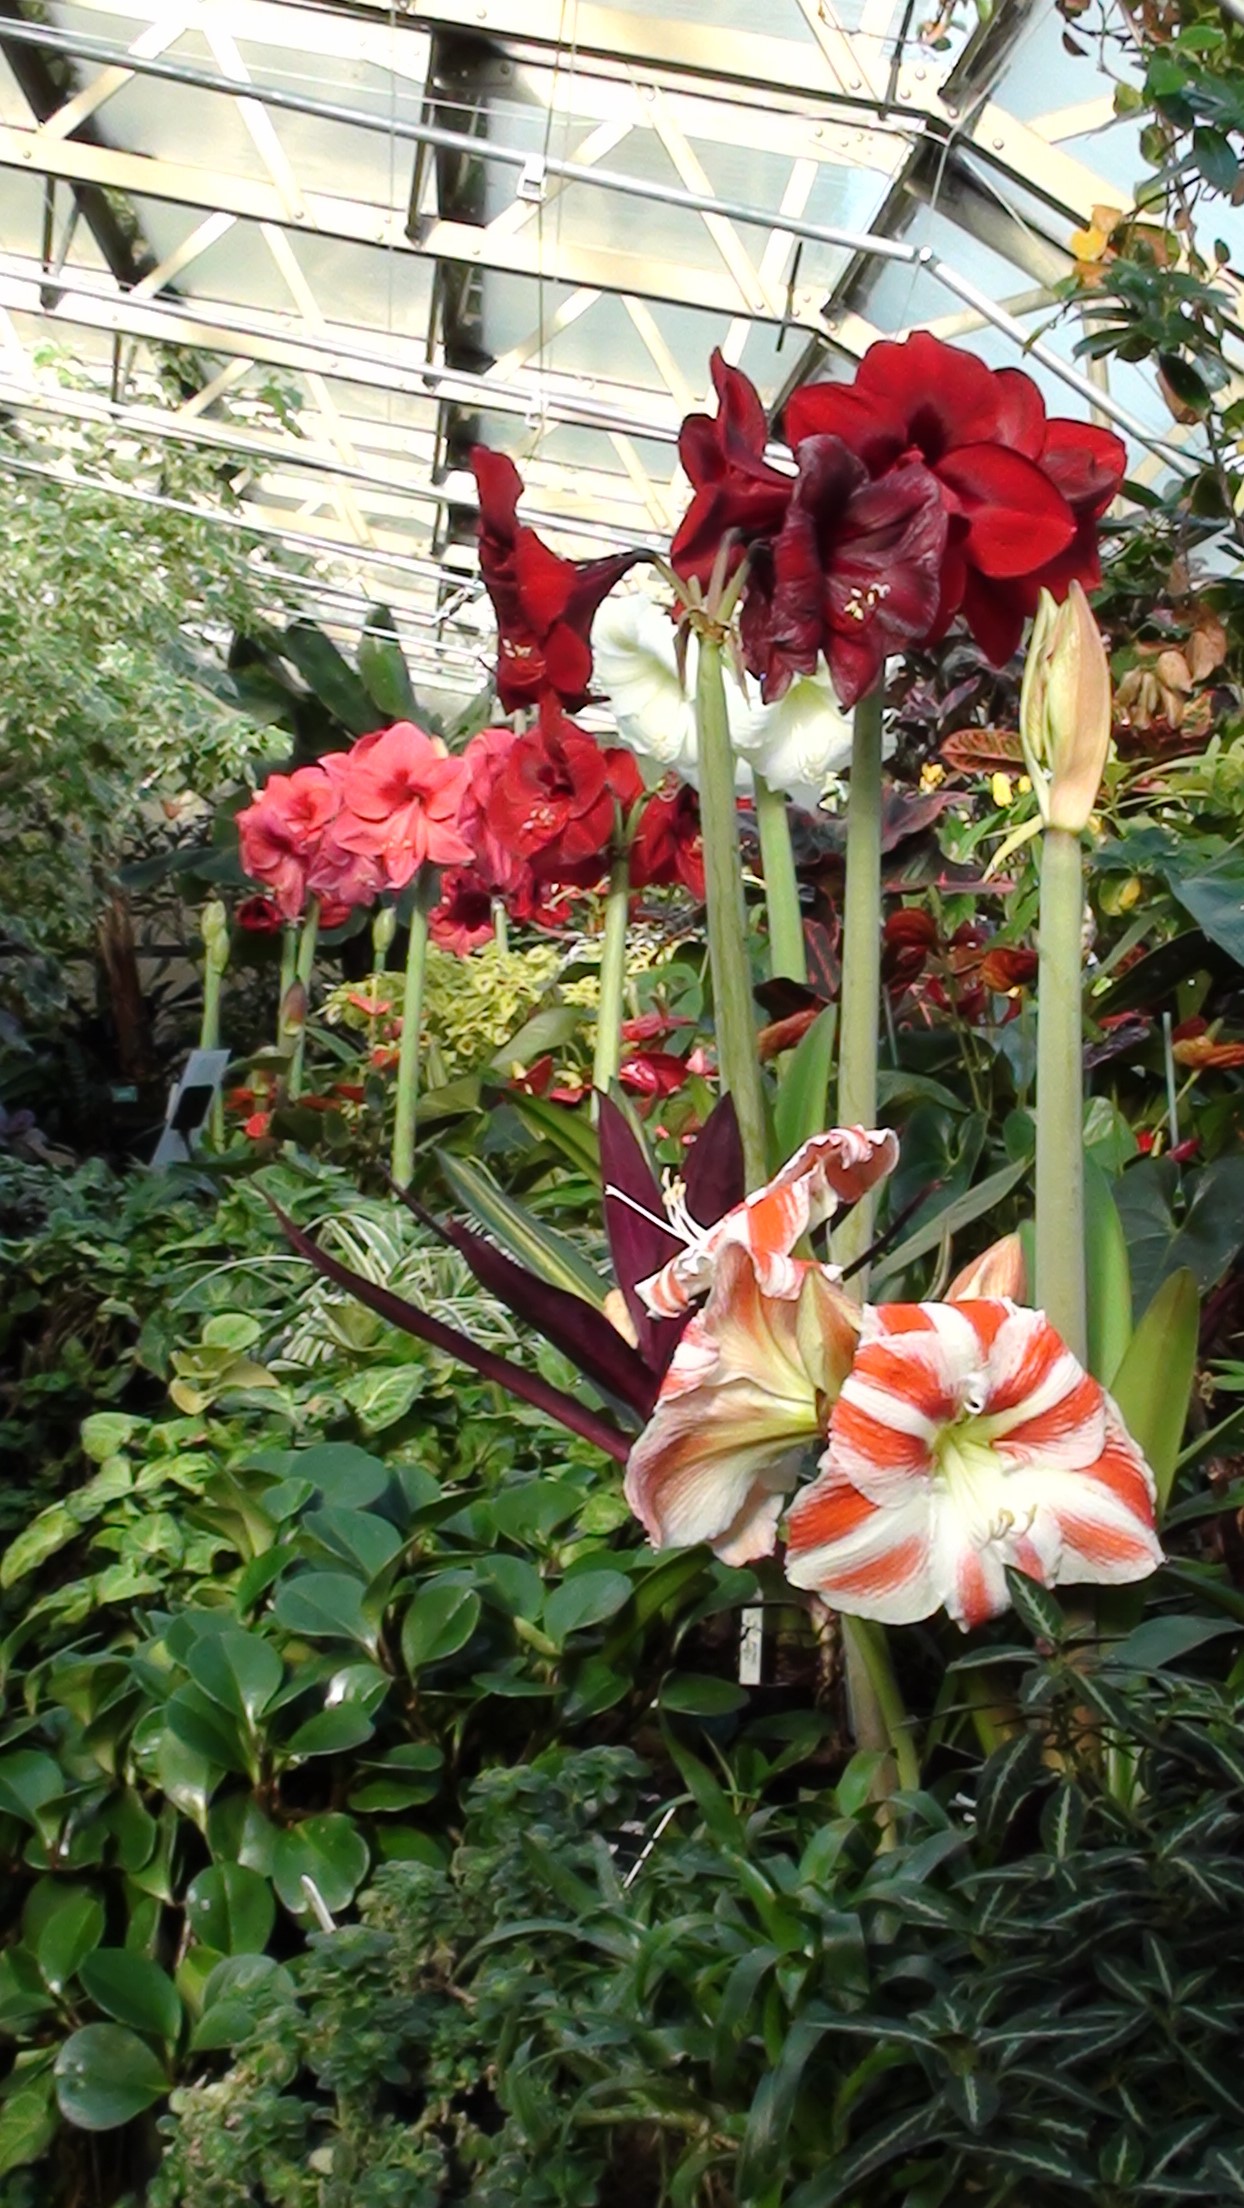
x: 214, y: 929
x: 1065, y: 710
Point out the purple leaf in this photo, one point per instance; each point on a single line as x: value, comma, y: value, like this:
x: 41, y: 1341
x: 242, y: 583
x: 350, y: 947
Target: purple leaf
x: 713, y: 1172
x: 527, y: 1386
x: 638, y: 1243
x: 567, y: 1321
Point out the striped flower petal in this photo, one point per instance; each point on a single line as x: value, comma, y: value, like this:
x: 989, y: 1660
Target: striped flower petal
x: 967, y: 1439
x: 744, y: 1398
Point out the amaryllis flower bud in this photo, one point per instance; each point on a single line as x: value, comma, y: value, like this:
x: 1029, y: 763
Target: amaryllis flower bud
x: 1065, y: 710
x: 214, y: 929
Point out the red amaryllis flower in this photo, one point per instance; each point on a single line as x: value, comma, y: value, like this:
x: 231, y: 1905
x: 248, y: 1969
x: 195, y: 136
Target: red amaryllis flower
x: 668, y: 845
x: 734, y: 486
x: 853, y: 572
x: 495, y: 861
x: 1022, y: 493
x: 554, y: 805
x: 401, y: 792
x: 544, y: 605
x: 280, y: 831
x: 259, y: 916
x: 463, y: 919
x: 1007, y: 967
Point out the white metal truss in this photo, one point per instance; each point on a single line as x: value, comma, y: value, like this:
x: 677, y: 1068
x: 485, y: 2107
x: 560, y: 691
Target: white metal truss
x: 363, y: 231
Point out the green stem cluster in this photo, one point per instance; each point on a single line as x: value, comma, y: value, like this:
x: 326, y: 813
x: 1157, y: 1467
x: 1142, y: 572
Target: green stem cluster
x: 304, y: 966
x: 861, y: 965
x: 407, y: 1092
x: 608, y: 1052
x: 727, y: 913
x: 787, y: 954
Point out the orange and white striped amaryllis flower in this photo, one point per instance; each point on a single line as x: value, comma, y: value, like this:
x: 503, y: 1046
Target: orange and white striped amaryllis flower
x: 745, y: 1396
x: 965, y: 1439
x: 829, y: 1170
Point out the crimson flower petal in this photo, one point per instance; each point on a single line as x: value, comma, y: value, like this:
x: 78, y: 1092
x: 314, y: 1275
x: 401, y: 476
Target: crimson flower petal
x: 1016, y: 518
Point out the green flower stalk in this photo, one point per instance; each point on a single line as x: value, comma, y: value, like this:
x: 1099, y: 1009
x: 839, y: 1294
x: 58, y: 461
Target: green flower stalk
x: 298, y: 996
x: 289, y: 967
x: 1065, y: 720
x: 608, y: 1053
x: 861, y: 966
x: 214, y: 928
x: 727, y: 912
x: 406, y: 1103
x: 787, y: 955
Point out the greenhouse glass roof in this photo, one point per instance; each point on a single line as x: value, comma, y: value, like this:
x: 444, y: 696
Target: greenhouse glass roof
x: 343, y: 243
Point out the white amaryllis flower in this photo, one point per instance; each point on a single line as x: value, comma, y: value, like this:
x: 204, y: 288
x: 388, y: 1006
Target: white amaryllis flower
x: 967, y: 1438
x: 800, y: 741
x: 797, y: 744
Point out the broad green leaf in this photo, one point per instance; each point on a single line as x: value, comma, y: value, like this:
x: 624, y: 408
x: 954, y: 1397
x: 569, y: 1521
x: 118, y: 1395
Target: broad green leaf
x: 802, y: 1105
x: 768, y: 2125
x: 327, y: 1850
x: 1215, y: 900
x: 383, y: 670
x: 547, y: 1031
x: 1108, y: 1279
x: 1153, y: 1385
x: 209, y: 1731
x: 1159, y: 1641
x: 534, y: 1245
x: 585, y: 1600
x: 1008, y: 1777
x: 28, y: 2118
x: 381, y: 1395
x: 69, y: 1925
x: 238, y: 1670
x: 133, y: 1990
x: 332, y: 1732
x: 361, y: 1539
x: 1040, y: 1610
x: 28, y: 1781
x: 230, y: 1909
x: 324, y: 1606
x: 346, y: 1476
x: 106, y: 1433
x: 439, y: 1622
x: 36, y: 1542
x: 404, y: 1779
x: 565, y: 1130
x: 105, y: 2075
x: 528, y: 1510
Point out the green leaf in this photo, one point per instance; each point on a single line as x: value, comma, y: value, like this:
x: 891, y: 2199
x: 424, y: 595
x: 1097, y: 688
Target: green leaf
x: 586, y: 1599
x: 1040, y: 1610
x: 133, y: 1990
x: 1211, y: 151
x: 525, y: 1238
x: 71, y: 1925
x: 358, y: 1537
x: 231, y: 1909
x: 954, y: 1216
x: 381, y: 1395
x: 329, y: 676
x: 345, y: 1475
x: 28, y: 1781
x: 1153, y: 1385
x: 36, y: 1542
x: 439, y: 1622
x: 201, y: 1725
x: 238, y: 1670
x: 105, y: 1433
x: 1008, y: 1777
x: 528, y: 1510
x: 766, y: 2139
x: 1215, y: 900
x: 1159, y: 1641
x: 324, y: 1606
x: 802, y: 1106
x: 28, y: 2118
x: 333, y: 1732
x: 1108, y: 1278
x: 1062, y: 1820
x: 105, y: 2075
x: 699, y: 1694
x: 330, y: 1852
x: 382, y: 667
x: 564, y: 1130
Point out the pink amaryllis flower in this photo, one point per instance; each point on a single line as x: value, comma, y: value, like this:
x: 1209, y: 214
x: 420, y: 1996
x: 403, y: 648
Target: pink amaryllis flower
x: 401, y: 792
x: 967, y: 1438
x: 827, y: 1171
x: 281, y: 830
x: 743, y: 1399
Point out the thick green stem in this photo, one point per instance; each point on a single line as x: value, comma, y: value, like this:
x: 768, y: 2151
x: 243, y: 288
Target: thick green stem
x: 1060, y: 1091
x: 787, y: 956
x: 727, y: 913
x: 406, y: 1102
x: 303, y: 969
x: 866, y: 1642
x: 608, y: 1054
x: 861, y: 965
x: 209, y: 1039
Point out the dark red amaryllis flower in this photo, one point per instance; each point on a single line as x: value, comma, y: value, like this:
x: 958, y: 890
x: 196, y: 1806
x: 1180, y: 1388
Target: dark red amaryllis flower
x: 853, y: 572
x: 669, y: 846
x: 555, y: 804
x: 259, y: 916
x: 1022, y: 493
x: 544, y: 605
x: 653, y: 1072
x: 733, y: 485
x: 463, y: 920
